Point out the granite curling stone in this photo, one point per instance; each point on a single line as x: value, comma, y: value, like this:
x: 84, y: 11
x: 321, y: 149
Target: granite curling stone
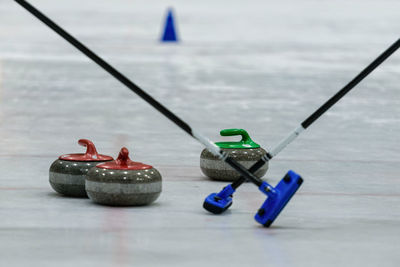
x: 245, y: 151
x: 123, y: 182
x: 67, y: 174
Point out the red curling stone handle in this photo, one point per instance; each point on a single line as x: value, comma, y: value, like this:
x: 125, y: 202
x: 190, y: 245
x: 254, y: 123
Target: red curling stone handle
x: 123, y: 157
x: 91, y: 151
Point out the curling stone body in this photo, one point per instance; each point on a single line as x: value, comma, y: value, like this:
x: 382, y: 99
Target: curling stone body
x: 217, y: 169
x: 245, y: 152
x: 123, y: 182
x: 67, y: 174
x: 68, y: 177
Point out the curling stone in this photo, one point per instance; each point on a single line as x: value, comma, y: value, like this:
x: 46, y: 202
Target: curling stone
x: 245, y: 151
x: 67, y: 174
x: 123, y: 182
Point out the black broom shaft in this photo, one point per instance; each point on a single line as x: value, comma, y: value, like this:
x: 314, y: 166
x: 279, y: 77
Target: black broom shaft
x: 110, y: 69
x: 149, y: 99
x: 364, y: 73
x: 327, y: 105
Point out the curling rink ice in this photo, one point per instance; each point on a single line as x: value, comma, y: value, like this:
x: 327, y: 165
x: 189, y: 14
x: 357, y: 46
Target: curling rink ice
x: 259, y: 65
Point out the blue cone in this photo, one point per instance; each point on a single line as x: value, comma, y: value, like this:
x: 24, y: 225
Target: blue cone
x: 169, y: 34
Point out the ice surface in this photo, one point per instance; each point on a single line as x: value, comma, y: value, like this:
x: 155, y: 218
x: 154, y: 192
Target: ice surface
x: 259, y: 65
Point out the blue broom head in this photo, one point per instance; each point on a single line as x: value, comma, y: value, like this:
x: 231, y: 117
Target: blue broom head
x: 275, y: 203
x: 217, y: 203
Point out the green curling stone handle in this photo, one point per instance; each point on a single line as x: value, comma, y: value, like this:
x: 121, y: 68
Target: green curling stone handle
x: 246, y: 141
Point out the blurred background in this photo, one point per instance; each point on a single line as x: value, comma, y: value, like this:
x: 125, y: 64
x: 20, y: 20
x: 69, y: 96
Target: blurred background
x: 259, y: 65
